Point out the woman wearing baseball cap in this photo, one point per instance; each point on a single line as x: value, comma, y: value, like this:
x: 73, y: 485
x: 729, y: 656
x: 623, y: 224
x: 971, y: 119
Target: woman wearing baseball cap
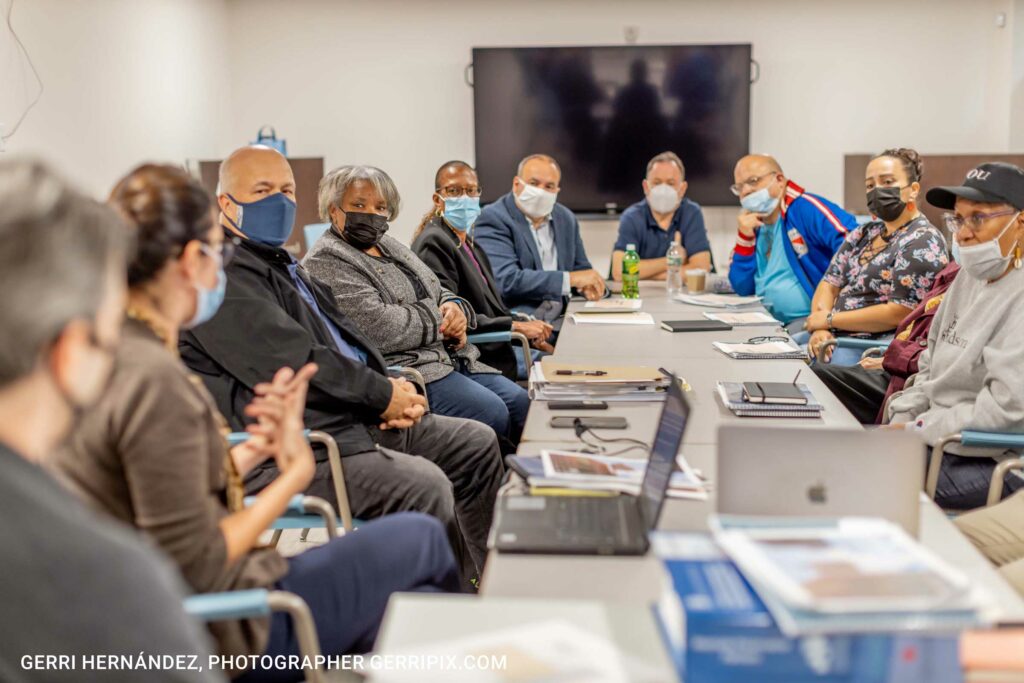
x: 972, y: 373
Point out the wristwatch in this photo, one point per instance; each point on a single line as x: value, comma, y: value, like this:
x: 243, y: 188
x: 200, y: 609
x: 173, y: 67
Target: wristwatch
x: 828, y: 320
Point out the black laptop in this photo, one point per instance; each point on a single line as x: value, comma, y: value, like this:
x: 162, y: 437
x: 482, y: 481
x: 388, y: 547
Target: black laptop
x: 596, y: 526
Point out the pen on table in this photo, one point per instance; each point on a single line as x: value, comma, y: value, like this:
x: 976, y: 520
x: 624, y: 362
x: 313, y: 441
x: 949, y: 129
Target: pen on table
x: 589, y: 373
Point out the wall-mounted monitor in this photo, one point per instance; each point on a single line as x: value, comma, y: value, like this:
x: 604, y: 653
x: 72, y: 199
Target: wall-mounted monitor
x: 603, y: 112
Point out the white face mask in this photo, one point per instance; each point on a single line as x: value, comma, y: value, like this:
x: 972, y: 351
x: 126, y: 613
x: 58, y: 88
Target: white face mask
x: 663, y: 198
x: 984, y: 261
x: 535, y: 202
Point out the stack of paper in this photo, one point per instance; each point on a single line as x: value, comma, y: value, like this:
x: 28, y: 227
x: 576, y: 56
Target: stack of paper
x: 847, y: 575
x: 584, y: 471
x: 612, y: 306
x: 786, y: 350
x: 554, y: 381
x: 612, y: 318
x: 731, y: 394
x: 718, y: 300
x: 740, y: 319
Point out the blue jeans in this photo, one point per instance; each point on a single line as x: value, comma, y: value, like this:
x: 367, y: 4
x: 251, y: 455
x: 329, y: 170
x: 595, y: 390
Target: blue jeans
x: 535, y: 354
x: 348, y: 581
x: 964, y: 481
x: 492, y: 399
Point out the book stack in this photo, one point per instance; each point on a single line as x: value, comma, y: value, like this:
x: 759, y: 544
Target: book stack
x: 554, y: 381
x: 847, y: 575
x: 718, y: 630
x: 733, y: 397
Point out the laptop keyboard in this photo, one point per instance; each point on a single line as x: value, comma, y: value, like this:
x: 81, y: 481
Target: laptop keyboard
x: 591, y: 519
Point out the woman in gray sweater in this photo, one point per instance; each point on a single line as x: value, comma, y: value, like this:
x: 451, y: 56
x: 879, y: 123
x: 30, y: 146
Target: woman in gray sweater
x: 970, y: 376
x: 400, y: 304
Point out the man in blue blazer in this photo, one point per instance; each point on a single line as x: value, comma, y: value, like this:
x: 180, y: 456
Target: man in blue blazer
x: 534, y: 243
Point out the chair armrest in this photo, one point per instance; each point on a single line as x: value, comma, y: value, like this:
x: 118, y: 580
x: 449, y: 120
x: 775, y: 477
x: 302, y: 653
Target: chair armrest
x: 865, y: 345
x: 489, y: 337
x: 513, y: 337
x: 931, y: 481
x: 302, y: 512
x: 228, y: 605
x: 337, y: 475
x: 995, y: 487
x: 296, y: 505
x: 970, y: 437
x: 260, y: 602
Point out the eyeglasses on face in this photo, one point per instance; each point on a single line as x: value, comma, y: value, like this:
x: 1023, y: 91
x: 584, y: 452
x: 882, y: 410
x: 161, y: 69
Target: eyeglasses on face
x: 955, y: 223
x: 752, y: 183
x: 452, y: 191
x: 226, y: 251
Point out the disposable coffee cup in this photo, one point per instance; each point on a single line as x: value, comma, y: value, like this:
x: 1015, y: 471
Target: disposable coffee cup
x: 696, y: 280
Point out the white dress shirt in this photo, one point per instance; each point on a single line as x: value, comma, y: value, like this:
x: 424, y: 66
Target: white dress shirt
x: 544, y: 237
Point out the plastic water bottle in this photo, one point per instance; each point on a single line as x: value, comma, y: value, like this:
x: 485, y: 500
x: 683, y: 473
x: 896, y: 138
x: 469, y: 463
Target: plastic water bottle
x: 674, y: 261
x: 631, y: 273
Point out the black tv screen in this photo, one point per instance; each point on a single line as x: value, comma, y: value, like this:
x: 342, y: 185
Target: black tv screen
x: 603, y: 112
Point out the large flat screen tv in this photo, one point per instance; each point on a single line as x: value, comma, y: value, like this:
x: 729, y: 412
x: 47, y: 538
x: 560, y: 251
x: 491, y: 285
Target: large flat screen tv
x: 603, y: 112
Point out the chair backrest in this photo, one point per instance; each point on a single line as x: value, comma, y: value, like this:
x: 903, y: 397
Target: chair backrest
x: 312, y: 233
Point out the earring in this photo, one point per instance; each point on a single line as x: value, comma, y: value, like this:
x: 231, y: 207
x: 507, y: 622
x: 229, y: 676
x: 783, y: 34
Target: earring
x: 1017, y: 257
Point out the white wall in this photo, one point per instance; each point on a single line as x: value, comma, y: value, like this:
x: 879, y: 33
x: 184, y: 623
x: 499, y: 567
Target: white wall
x: 125, y: 81
x: 382, y: 82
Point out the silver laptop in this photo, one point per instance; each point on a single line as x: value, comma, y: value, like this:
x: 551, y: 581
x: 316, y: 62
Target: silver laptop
x: 821, y: 473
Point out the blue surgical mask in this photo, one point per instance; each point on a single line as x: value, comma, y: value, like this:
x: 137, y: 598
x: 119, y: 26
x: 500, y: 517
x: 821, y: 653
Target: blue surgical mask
x: 760, y: 202
x: 461, y: 212
x: 956, y: 250
x: 267, y: 221
x: 208, y: 301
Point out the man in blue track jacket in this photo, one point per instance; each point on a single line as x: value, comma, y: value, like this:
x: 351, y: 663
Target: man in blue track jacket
x: 786, y: 238
x: 534, y: 243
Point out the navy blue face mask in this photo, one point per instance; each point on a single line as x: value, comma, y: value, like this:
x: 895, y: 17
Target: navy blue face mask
x: 267, y: 221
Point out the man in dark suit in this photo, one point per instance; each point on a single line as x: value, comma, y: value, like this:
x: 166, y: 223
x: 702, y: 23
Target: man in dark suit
x: 274, y: 313
x: 534, y: 243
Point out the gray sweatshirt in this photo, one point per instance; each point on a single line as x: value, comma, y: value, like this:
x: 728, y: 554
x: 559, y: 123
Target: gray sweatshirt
x: 972, y: 375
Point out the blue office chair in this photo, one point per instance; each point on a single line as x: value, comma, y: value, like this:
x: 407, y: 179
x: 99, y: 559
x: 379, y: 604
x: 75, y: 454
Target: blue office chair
x: 260, y: 602
x: 312, y: 233
x: 998, y: 441
x: 510, y: 337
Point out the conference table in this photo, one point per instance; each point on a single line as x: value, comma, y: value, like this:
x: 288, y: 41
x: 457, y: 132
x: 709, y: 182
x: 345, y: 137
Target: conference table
x: 639, y: 581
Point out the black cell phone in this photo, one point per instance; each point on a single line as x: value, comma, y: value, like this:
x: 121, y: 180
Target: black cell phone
x: 577, y: 405
x: 611, y: 422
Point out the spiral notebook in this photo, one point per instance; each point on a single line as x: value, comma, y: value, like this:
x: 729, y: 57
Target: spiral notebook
x: 731, y: 394
x: 768, y: 350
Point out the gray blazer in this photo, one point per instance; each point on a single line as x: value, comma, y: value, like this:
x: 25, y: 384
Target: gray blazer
x: 381, y: 300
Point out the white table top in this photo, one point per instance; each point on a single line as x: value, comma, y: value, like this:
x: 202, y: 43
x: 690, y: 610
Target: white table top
x: 639, y: 579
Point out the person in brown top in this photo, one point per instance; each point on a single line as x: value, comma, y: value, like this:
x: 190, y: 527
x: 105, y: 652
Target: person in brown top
x: 153, y: 452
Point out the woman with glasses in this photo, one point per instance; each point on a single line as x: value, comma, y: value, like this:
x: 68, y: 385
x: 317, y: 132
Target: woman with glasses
x: 152, y: 452
x: 884, y: 268
x: 444, y: 242
x: 402, y: 306
x: 971, y: 375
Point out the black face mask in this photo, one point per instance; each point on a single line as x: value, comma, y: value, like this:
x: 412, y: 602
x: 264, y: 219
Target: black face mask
x: 885, y: 202
x: 364, y: 230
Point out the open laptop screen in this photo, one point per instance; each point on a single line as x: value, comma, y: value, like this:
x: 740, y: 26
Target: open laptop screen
x: 663, y: 453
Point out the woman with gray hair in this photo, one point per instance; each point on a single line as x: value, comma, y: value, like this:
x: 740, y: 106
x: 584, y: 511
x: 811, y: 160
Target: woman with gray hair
x: 400, y: 304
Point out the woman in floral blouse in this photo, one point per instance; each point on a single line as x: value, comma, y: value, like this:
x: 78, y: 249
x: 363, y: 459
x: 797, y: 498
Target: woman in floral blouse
x: 885, y: 267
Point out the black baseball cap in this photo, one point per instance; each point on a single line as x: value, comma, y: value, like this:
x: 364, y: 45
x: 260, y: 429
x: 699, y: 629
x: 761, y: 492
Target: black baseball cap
x: 995, y: 182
